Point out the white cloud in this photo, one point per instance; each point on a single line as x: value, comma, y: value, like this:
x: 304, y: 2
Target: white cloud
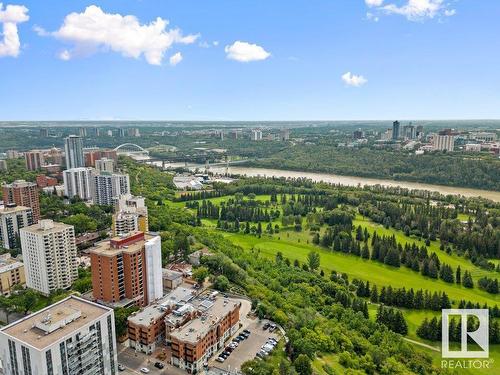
x: 65, y: 55
x: 372, y: 17
x: 353, y: 80
x: 413, y: 10
x: 374, y: 3
x: 215, y: 43
x: 9, y: 18
x: 175, y: 59
x: 94, y: 30
x: 245, y: 52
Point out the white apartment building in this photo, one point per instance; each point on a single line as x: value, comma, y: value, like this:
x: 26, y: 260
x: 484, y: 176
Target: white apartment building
x: 256, y: 135
x: 78, y: 182
x: 154, y: 271
x: 131, y: 215
x: 108, y: 187
x: 12, y: 219
x: 105, y: 165
x: 444, y: 142
x: 49, y: 256
x: 71, y: 337
x: 73, y: 149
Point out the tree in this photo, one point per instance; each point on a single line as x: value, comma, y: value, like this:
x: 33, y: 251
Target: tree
x: 7, y: 306
x: 302, y: 365
x: 121, y: 316
x: 26, y: 300
x: 467, y: 280
x: 221, y: 283
x: 313, y: 260
x: 200, y: 274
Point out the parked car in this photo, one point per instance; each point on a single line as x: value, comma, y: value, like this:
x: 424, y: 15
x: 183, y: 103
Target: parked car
x: 266, y: 326
x: 272, y: 327
x: 228, y: 349
x: 159, y: 365
x: 121, y: 367
x: 246, y: 331
x: 235, y: 343
x: 220, y: 359
x: 145, y: 370
x: 260, y: 355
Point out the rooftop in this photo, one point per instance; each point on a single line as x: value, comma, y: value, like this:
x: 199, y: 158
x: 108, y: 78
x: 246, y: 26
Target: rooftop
x: 130, y: 243
x: 12, y: 208
x: 213, y: 311
x: 177, y: 297
x: 55, y: 322
x: 46, y: 226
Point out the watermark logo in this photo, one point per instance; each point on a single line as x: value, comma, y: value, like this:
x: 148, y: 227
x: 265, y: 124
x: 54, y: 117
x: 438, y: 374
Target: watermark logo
x: 480, y: 335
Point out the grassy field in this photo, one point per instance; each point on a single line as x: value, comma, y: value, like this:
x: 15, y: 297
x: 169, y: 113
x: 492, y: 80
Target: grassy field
x: 356, y: 267
x: 296, y: 246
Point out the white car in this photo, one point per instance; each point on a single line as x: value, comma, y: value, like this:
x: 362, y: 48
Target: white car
x: 220, y: 359
x: 145, y: 370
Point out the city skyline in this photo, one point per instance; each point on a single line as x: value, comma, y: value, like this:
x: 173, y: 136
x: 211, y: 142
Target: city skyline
x: 220, y: 61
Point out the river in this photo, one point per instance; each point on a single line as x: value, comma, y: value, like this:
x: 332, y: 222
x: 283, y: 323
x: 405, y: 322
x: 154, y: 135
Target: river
x: 344, y: 180
x: 355, y: 181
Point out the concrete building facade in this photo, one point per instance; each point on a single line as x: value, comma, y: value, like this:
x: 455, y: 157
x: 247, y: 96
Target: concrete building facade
x: 12, y: 219
x: 71, y: 337
x: 49, y: 256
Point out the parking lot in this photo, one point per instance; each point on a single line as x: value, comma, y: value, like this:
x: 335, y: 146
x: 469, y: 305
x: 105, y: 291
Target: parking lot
x: 247, y: 348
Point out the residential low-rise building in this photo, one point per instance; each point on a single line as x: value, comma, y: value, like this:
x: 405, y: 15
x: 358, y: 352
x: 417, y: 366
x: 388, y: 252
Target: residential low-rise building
x: 11, y: 274
x: 146, y: 328
x: 195, y: 342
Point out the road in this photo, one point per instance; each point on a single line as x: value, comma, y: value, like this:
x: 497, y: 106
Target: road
x: 422, y: 344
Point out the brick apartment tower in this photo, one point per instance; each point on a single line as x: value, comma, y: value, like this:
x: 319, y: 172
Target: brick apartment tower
x: 23, y: 193
x: 123, y: 271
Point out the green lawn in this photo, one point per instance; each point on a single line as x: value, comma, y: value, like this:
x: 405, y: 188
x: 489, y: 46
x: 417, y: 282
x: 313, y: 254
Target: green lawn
x: 356, y: 267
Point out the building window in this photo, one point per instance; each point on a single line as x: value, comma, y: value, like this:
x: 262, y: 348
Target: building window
x: 13, y: 357
x: 26, y: 360
x: 48, y: 358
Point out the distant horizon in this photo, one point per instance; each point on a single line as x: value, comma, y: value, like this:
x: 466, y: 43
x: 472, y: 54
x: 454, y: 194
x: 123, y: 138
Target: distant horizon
x: 3, y: 122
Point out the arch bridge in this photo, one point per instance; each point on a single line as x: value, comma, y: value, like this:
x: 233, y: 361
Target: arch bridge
x: 131, y: 149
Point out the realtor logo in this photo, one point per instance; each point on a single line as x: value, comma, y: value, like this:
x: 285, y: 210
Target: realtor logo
x: 480, y: 335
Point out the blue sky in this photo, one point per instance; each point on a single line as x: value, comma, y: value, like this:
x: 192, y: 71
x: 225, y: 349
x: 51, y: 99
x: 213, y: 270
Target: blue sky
x: 250, y: 60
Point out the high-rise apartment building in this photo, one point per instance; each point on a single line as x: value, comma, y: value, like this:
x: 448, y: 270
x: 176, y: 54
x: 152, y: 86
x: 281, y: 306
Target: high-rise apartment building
x: 131, y: 215
x: 82, y: 132
x: 109, y: 186
x: 73, y: 148
x: 284, y: 134
x: 49, y: 256
x: 79, y: 182
x: 409, y: 132
x: 127, y: 270
x: 34, y: 160
x: 12, y: 219
x: 44, y: 133
x: 3, y: 165
x: 23, y: 193
x: 70, y: 337
x: 395, y: 130
x: 444, y: 142
x: 256, y: 135
x: 105, y: 165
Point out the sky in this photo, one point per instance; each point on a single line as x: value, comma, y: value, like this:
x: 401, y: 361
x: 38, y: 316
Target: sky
x: 249, y: 60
